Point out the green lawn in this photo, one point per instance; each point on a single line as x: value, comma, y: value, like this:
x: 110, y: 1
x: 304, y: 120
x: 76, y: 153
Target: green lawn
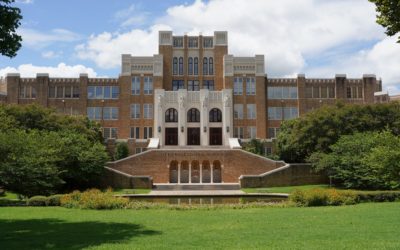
x: 364, y: 226
x: 288, y: 189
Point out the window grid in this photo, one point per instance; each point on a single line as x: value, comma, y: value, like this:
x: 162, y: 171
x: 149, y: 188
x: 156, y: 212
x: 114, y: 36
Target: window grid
x: 135, y: 111
x: 135, y: 132
x: 238, y: 86
x: 135, y: 85
x: 238, y: 111
x: 148, y: 111
x: 251, y: 111
x: 148, y: 85
x: 250, y: 86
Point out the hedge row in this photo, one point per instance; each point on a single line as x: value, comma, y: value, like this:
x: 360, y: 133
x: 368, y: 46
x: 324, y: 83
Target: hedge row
x: 41, y: 201
x: 335, y: 197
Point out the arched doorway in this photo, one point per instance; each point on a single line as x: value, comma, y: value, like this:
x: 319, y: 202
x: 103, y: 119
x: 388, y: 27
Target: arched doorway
x: 195, y: 172
x: 184, y: 172
x: 217, y: 175
x: 206, y: 172
x: 173, y: 172
x: 171, y: 133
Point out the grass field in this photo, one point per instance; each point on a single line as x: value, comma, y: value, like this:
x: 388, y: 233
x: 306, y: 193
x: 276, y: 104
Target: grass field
x: 364, y: 226
x: 288, y: 189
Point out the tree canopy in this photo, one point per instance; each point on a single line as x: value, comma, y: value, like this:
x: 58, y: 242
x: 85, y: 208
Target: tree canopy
x: 10, y: 18
x: 388, y: 15
x: 44, y: 152
x: 318, y: 130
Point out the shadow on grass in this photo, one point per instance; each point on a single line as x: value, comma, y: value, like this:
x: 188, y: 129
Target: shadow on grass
x: 59, y: 234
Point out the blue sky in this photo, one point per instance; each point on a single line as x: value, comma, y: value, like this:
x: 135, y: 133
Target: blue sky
x: 317, y: 37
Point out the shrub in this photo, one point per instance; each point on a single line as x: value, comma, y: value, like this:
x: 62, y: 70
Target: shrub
x: 321, y: 197
x: 54, y: 200
x: 37, y: 201
x: 378, y: 196
x: 121, y: 151
x: 93, y: 199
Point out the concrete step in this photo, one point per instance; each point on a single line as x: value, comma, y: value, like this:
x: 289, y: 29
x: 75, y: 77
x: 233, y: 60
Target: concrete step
x: 172, y: 187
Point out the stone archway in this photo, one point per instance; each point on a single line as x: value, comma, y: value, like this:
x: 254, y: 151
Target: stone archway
x: 195, y: 172
x: 206, y: 172
x: 185, y: 172
x: 173, y: 172
x: 217, y: 172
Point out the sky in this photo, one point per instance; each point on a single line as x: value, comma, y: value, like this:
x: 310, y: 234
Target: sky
x: 319, y: 38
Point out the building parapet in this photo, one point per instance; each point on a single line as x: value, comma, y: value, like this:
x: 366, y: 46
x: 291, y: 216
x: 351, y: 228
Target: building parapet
x: 244, y: 65
x: 142, y: 65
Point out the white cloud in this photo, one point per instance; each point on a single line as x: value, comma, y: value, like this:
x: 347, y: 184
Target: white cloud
x: 37, y: 39
x: 25, y: 1
x: 51, y: 54
x: 286, y: 32
x: 105, y: 49
x: 131, y: 16
x: 61, y: 70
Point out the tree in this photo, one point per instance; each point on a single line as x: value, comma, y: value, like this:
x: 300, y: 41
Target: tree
x: 318, y: 130
x: 10, y: 17
x: 388, y: 15
x: 369, y: 160
x: 43, y: 152
x: 121, y: 151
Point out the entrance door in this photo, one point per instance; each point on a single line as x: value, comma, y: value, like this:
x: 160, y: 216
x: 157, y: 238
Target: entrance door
x: 215, y: 136
x: 193, y: 136
x: 171, y: 136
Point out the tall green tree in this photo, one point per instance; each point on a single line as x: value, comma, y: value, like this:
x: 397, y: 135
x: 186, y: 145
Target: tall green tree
x: 318, y: 130
x: 388, y: 15
x: 10, y: 18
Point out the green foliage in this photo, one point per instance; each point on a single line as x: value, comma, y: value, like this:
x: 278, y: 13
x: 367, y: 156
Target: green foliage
x: 318, y: 130
x: 121, y: 151
x: 10, y: 17
x: 93, y: 199
x: 369, y: 160
x: 322, y: 197
x: 254, y: 146
x: 388, y: 15
x: 45, y: 152
x: 54, y: 200
x: 37, y: 201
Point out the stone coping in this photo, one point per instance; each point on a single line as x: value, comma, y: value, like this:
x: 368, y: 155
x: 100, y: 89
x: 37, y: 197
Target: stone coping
x: 211, y: 193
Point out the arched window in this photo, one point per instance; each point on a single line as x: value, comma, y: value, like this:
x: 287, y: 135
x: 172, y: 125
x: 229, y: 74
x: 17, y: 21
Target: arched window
x: 205, y: 66
x: 180, y: 65
x: 215, y: 115
x: 190, y: 66
x: 171, y: 115
x: 196, y: 66
x: 175, y: 66
x: 193, y: 115
x: 211, y: 66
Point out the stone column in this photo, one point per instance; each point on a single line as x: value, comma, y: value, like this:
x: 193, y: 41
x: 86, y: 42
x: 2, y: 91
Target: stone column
x: 201, y: 173
x: 179, y: 173
x: 211, y: 173
x: 227, y: 117
x: 190, y: 172
x: 204, y: 93
x: 159, y: 97
x: 182, y: 116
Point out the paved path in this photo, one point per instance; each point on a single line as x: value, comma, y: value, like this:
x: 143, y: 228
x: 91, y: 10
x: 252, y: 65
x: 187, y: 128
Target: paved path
x: 196, y: 192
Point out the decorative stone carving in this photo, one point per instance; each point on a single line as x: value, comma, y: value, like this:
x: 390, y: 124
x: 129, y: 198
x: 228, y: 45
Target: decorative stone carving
x: 227, y: 101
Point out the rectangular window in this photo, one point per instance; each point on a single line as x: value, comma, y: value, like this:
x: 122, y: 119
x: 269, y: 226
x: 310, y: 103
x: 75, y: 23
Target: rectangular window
x: 135, y: 85
x: 91, y: 92
x: 68, y: 92
x: 178, y: 42
x: 238, y: 111
x: 273, y: 133
x: 178, y: 84
x: 115, y: 92
x: 331, y: 92
x: 99, y: 92
x: 60, y: 92
x: 148, y: 111
x: 238, y: 132
x: 252, y: 132
x: 135, y: 111
x: 135, y: 132
x: 250, y: 86
x: 110, y: 113
x: 360, y: 92
x: 251, y: 111
x: 348, y: 92
x: 267, y: 151
x: 282, y: 92
x: 208, y: 84
x: 147, y: 132
x: 107, y: 92
x: 193, y: 85
x: 148, y: 85
x: 316, y: 92
x: 193, y: 42
x: 52, y: 92
x: 207, y: 42
x: 75, y: 92
x: 94, y: 113
x: 238, y: 86
x: 33, y: 92
x: 110, y: 133
x: 309, y: 92
x: 274, y: 113
x: 324, y: 92
x: 290, y: 113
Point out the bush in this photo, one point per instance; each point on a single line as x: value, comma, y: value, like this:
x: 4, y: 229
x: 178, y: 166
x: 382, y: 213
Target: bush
x: 378, y: 196
x: 93, y: 199
x: 37, y: 201
x: 121, y: 151
x: 54, y: 200
x: 321, y: 197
